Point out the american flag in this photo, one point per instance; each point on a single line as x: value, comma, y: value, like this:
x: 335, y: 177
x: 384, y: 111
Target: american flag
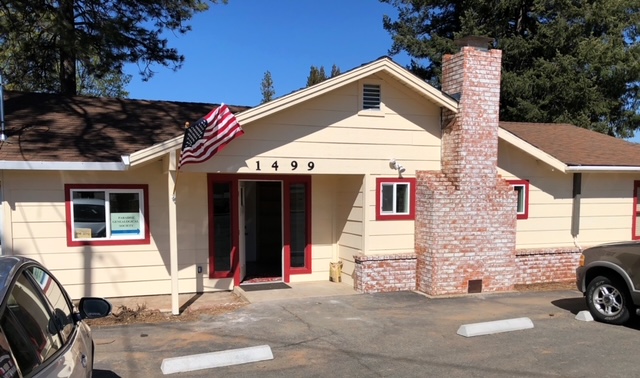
x: 209, y: 135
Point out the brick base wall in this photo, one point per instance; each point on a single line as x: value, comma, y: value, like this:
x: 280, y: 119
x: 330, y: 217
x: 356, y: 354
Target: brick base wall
x: 546, y: 265
x: 384, y: 273
x: 387, y: 273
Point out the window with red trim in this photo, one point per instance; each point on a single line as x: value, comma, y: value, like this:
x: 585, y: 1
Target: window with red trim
x: 522, y: 188
x: 106, y: 214
x: 395, y: 198
x: 635, y: 233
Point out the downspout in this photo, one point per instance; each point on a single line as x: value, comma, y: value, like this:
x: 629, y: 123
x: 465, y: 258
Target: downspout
x: 575, y: 214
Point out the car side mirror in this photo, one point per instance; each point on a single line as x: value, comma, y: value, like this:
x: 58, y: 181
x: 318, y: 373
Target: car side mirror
x: 93, y: 308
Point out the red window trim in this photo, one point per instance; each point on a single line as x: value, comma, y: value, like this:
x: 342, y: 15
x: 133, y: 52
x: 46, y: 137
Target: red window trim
x: 235, y: 257
x: 412, y: 199
x: 68, y: 209
x: 636, y: 213
x: 524, y: 183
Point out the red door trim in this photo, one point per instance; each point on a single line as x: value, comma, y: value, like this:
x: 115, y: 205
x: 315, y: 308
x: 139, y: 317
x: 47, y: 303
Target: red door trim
x: 234, y: 179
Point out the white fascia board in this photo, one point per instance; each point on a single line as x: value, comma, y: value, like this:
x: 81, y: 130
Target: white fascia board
x: 61, y: 166
x: 602, y: 169
x: 155, y: 152
x: 531, y: 150
x: 391, y: 67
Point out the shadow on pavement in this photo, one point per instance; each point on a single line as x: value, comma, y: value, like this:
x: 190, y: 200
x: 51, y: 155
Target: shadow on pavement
x: 97, y: 373
x: 573, y: 305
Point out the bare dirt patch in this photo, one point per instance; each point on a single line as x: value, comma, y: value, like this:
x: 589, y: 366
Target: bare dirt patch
x: 124, y: 315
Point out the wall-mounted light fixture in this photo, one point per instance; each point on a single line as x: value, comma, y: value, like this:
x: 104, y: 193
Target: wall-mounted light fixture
x: 393, y: 164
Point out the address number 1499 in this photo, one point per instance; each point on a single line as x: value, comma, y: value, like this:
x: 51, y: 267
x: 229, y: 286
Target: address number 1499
x: 292, y: 166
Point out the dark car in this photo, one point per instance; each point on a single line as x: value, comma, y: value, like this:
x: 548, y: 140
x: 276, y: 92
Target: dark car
x: 609, y: 277
x: 42, y: 334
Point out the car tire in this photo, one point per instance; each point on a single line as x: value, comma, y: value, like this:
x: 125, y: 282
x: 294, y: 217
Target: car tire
x: 608, y: 301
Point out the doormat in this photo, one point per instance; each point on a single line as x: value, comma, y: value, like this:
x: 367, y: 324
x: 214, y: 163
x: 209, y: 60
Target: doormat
x: 265, y: 286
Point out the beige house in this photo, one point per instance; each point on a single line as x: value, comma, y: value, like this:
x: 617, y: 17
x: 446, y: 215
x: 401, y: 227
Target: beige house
x: 408, y: 186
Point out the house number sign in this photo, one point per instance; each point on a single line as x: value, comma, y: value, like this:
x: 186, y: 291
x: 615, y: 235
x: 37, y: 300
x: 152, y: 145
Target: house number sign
x: 293, y: 165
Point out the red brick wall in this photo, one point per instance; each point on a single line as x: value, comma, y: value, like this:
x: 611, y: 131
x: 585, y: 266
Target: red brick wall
x: 546, y: 265
x: 466, y: 214
x: 385, y: 273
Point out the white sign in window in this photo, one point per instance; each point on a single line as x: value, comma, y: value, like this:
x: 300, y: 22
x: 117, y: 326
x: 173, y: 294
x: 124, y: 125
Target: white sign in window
x: 107, y: 214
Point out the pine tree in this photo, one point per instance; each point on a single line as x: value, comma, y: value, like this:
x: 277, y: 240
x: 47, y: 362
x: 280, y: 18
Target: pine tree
x: 335, y: 71
x: 44, y: 43
x: 266, y: 88
x: 563, y: 61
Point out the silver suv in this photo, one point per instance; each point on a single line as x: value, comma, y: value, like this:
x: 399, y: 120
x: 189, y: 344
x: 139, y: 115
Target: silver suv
x: 41, y: 332
x: 609, y: 277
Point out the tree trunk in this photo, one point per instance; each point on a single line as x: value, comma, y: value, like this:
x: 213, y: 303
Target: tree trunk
x: 67, y: 49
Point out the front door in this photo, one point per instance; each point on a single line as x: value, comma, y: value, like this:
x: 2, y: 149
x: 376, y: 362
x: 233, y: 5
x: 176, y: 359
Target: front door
x: 259, y: 227
x: 262, y: 237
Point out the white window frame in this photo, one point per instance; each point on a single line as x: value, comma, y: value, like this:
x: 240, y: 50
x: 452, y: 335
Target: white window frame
x: 110, y: 236
x: 394, y: 214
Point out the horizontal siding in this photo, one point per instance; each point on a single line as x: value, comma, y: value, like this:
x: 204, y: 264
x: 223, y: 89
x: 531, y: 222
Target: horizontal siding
x: 606, y: 204
x: 30, y: 212
x: 393, y: 243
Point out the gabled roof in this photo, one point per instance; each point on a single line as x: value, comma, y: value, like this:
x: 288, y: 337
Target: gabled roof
x: 572, y: 148
x: 45, y: 128
x: 383, y: 64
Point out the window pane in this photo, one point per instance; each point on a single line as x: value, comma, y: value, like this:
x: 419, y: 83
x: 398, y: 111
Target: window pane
x: 124, y: 211
x: 89, y: 218
x: 387, y: 198
x: 402, y: 198
x: 298, y: 197
x: 62, y: 311
x: 520, y: 190
x: 34, y: 316
x: 222, y: 226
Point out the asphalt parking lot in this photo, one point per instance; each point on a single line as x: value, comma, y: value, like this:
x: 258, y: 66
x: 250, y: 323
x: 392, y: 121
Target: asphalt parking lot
x: 402, y: 334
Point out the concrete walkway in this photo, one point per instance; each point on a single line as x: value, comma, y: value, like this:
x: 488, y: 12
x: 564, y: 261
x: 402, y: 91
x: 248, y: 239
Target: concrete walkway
x: 196, y: 301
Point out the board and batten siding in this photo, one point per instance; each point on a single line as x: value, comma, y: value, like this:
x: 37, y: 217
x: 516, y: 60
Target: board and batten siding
x: 606, y: 206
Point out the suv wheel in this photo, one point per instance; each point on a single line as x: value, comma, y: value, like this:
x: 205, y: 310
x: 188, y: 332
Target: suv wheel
x: 608, y: 300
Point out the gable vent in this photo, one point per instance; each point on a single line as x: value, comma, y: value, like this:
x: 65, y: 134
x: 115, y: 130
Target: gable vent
x: 371, y: 97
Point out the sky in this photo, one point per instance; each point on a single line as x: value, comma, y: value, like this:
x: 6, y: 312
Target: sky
x: 231, y: 47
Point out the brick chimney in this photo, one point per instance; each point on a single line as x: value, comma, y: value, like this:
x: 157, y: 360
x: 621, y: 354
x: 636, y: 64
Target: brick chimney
x: 465, y: 213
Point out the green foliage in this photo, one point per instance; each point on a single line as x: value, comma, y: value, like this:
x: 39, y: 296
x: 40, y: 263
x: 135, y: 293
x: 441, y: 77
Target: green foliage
x: 318, y: 75
x: 563, y: 61
x: 266, y: 88
x: 335, y: 71
x: 45, y: 44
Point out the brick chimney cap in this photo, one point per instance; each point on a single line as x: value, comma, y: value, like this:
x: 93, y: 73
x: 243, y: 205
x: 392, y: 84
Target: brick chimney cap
x: 479, y: 42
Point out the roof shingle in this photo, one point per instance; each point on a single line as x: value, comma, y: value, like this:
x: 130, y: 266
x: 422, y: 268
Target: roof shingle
x: 576, y: 146
x: 50, y: 127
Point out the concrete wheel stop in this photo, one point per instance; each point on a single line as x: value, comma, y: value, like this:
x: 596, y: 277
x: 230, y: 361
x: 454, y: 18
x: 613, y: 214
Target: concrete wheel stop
x: 498, y: 326
x: 216, y: 359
